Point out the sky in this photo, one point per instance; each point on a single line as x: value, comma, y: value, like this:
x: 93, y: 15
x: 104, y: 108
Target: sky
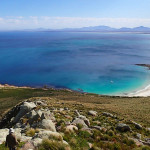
x: 57, y: 14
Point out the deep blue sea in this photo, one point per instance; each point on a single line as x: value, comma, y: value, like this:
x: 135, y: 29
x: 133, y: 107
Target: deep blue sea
x: 102, y: 63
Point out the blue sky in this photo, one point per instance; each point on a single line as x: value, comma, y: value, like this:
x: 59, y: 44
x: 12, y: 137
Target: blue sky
x: 20, y: 14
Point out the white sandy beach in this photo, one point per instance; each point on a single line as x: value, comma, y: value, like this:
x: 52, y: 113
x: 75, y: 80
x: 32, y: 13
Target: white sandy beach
x: 143, y: 92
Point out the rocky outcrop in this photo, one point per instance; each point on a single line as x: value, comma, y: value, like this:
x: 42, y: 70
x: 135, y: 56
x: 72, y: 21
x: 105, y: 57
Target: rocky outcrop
x: 34, y: 122
x: 24, y: 108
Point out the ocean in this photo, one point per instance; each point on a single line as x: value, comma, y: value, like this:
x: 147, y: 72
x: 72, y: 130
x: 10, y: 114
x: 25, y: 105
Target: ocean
x: 101, y: 63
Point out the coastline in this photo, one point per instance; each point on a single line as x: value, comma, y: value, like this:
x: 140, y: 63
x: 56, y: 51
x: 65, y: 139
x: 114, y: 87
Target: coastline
x: 145, y: 92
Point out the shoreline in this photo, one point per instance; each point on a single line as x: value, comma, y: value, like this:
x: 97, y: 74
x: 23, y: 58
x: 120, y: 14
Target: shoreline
x: 145, y: 92
x: 141, y: 93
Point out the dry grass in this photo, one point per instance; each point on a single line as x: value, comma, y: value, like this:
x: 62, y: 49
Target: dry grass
x: 137, y: 109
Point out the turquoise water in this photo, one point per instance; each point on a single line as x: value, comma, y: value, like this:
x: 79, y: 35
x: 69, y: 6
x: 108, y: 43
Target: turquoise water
x: 102, y: 63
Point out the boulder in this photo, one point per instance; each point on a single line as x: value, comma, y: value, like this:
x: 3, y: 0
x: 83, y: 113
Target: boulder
x: 137, y: 126
x: 47, y: 124
x: 123, y: 127
x: 79, y: 121
x: 81, y: 117
x: 24, y: 108
x: 92, y: 113
x: 108, y: 114
x: 71, y: 128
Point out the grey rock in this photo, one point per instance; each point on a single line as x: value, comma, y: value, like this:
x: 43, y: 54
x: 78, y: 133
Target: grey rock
x: 93, y: 113
x: 31, y: 114
x: 39, y: 112
x: 47, y: 124
x: 24, y: 108
x: 40, y: 103
x: 81, y: 117
x: 79, y: 121
x: 108, y: 114
x: 138, y: 136
x: 71, y: 128
x: 18, y: 125
x: 123, y: 127
x: 47, y: 115
x: 33, y: 117
x: 97, y: 127
x: 137, y: 126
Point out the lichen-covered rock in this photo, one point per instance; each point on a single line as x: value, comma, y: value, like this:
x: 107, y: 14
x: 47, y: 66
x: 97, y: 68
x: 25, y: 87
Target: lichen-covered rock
x: 123, y: 127
x: 47, y: 124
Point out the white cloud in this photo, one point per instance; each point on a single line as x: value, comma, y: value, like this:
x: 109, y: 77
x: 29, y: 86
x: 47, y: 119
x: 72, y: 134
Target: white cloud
x: 31, y: 22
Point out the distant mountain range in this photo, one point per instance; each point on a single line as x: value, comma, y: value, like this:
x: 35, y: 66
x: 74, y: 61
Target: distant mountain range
x: 100, y: 29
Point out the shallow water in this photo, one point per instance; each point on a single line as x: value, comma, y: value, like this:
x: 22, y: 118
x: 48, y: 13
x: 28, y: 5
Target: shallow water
x: 100, y: 63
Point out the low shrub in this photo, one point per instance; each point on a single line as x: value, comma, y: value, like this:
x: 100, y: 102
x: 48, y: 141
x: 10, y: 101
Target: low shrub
x: 31, y: 132
x: 52, y: 145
